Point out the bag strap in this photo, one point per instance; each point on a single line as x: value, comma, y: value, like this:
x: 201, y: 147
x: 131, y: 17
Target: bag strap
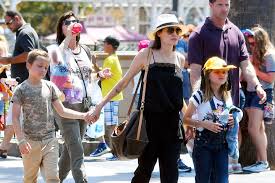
x: 82, y: 77
x: 135, y: 94
x: 143, y: 94
x: 87, y: 50
x: 133, y: 98
x: 90, y: 56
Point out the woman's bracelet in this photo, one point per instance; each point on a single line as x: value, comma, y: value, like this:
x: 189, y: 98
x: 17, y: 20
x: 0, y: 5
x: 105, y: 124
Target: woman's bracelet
x: 22, y: 141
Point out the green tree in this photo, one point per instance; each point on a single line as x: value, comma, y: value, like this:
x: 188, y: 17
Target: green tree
x: 43, y: 16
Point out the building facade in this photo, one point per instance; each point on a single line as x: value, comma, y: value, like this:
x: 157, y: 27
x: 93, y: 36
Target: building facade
x: 140, y: 15
x: 136, y: 15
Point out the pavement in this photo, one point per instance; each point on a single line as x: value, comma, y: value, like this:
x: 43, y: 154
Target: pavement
x: 101, y: 171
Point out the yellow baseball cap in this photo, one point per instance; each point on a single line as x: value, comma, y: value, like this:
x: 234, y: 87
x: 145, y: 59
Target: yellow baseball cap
x: 216, y: 63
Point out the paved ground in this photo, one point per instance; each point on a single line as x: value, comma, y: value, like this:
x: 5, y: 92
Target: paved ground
x: 101, y: 171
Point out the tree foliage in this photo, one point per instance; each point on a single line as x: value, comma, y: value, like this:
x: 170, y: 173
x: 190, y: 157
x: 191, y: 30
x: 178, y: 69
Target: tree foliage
x: 43, y: 16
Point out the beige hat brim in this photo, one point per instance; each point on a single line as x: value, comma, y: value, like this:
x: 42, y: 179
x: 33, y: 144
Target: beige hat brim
x: 151, y: 35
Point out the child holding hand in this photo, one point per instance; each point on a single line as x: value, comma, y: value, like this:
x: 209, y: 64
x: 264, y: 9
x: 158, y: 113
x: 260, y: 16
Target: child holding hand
x: 36, y: 137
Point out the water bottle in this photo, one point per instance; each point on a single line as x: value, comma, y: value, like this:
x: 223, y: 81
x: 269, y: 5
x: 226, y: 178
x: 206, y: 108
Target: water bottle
x: 77, y: 28
x: 223, y: 117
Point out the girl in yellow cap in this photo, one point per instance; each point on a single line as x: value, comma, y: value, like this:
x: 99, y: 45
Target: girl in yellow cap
x: 210, y: 104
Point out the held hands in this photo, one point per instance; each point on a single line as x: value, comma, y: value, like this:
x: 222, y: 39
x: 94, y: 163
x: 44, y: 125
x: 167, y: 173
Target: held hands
x: 93, y: 115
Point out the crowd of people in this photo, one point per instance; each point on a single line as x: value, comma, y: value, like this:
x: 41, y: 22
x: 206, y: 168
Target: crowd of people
x: 207, y: 68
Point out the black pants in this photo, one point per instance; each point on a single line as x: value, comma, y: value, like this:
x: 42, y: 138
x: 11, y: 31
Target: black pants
x: 167, y: 154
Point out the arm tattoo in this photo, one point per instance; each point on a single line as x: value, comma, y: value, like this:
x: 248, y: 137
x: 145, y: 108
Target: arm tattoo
x: 117, y: 90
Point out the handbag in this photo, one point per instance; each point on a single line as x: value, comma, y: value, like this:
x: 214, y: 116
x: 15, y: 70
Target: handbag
x: 129, y: 138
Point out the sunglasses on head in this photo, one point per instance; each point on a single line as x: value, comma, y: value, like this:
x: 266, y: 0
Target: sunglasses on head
x: 9, y: 22
x: 68, y: 22
x: 171, y: 30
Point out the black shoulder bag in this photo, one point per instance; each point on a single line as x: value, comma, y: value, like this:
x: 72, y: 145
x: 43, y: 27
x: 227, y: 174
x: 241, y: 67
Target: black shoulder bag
x: 129, y: 138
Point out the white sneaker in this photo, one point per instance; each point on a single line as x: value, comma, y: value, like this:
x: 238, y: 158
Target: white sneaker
x: 259, y: 166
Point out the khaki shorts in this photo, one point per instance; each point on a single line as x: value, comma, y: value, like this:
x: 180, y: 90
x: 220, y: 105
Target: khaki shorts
x: 9, y: 116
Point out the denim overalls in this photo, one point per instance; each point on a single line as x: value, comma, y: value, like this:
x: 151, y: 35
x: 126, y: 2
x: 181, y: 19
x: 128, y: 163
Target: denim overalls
x: 210, y: 153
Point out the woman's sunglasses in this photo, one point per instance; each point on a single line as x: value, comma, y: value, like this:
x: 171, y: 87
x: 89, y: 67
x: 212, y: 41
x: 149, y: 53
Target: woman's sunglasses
x: 171, y: 30
x: 68, y: 22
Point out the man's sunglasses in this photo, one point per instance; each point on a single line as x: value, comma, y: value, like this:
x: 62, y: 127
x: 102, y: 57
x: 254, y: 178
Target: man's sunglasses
x: 9, y: 22
x: 171, y: 30
x: 68, y: 22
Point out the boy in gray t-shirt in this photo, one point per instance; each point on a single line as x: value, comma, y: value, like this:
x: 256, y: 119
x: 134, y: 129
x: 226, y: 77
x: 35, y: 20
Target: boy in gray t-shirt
x: 36, y: 138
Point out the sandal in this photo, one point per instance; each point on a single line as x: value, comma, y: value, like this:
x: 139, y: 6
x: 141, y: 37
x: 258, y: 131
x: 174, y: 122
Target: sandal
x: 3, y: 153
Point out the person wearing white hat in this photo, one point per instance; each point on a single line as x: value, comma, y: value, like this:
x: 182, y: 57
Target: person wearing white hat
x: 163, y: 100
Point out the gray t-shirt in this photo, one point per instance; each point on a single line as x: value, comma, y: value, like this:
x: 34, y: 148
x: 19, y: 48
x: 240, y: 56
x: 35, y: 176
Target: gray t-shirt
x: 268, y: 66
x: 36, y: 102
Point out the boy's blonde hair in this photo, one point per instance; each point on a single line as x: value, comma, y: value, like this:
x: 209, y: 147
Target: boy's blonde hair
x: 35, y: 54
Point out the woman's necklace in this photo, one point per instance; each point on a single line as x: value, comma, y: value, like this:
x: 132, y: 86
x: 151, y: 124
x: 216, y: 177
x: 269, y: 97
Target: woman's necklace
x: 167, y: 59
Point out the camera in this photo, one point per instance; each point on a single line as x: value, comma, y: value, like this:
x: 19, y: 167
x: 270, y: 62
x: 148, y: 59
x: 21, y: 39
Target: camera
x: 87, y: 103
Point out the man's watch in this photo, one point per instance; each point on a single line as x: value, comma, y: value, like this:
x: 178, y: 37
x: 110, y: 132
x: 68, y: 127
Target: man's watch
x: 257, y: 85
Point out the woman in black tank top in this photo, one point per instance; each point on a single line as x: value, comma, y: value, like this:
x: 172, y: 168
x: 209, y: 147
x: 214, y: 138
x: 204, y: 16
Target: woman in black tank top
x: 163, y: 100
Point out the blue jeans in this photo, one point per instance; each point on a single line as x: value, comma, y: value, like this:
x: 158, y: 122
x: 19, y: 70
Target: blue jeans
x: 242, y: 99
x: 252, y: 99
x: 210, y: 153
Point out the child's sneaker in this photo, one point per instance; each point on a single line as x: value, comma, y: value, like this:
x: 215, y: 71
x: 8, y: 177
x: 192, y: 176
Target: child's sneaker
x: 101, y: 149
x: 259, y: 166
